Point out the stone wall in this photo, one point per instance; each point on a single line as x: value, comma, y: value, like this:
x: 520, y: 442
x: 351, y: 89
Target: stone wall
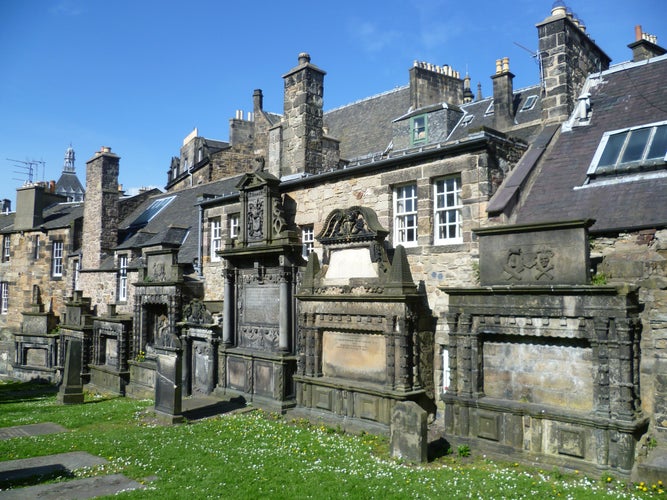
x: 640, y: 258
x: 22, y: 271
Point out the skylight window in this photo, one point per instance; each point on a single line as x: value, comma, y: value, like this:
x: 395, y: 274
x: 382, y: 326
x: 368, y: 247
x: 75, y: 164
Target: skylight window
x: 466, y: 120
x: 153, y: 209
x: 489, y: 110
x: 529, y: 103
x: 631, y: 150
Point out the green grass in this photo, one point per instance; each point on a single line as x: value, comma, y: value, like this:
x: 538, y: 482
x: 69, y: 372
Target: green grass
x: 256, y: 454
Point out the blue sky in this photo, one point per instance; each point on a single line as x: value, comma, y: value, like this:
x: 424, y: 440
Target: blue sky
x: 138, y: 76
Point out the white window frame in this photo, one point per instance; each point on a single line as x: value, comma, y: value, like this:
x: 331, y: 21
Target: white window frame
x: 122, y: 277
x: 234, y: 223
x: 6, y: 248
x: 215, y: 239
x: 593, y: 167
x: 405, y: 215
x: 447, y: 215
x: 35, y: 254
x: 57, y: 258
x: 4, y: 297
x: 419, y: 129
x: 307, y: 240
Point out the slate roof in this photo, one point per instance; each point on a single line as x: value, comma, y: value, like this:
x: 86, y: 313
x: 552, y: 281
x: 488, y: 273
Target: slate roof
x: 56, y: 216
x: 527, y: 122
x: 176, y: 224
x: 628, y: 94
x: 69, y: 185
x: 364, y: 127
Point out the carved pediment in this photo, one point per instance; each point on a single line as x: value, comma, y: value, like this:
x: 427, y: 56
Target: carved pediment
x: 351, y: 224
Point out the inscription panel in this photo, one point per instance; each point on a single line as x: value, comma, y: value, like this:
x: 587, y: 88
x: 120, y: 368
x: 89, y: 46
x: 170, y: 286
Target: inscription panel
x: 261, y: 304
x: 357, y: 356
x: 36, y: 357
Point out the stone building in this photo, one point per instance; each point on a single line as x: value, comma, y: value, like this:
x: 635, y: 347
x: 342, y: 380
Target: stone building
x: 312, y: 209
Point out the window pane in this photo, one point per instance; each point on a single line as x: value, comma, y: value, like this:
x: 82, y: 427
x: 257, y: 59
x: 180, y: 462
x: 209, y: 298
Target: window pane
x: 659, y: 143
x: 636, y: 145
x: 612, y: 149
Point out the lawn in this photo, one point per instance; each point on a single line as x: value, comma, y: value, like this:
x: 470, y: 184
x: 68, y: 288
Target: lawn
x: 256, y: 454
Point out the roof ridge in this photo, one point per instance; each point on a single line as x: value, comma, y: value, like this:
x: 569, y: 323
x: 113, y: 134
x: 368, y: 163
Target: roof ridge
x: 386, y: 92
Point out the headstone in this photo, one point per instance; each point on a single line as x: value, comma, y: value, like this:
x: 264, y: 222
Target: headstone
x: 71, y: 388
x: 168, y: 380
x: 409, y: 440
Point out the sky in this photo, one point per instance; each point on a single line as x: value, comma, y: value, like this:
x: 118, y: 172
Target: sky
x: 140, y: 75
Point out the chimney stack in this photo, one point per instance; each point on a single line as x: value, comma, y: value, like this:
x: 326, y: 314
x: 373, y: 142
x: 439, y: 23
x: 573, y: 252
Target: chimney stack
x: 567, y: 55
x: 645, y: 46
x: 100, y: 212
x: 303, y: 119
x: 433, y: 84
x: 503, y: 95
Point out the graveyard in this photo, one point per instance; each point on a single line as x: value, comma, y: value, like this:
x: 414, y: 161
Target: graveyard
x: 248, y: 453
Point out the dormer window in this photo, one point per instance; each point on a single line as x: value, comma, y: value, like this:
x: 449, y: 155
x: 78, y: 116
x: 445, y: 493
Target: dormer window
x: 418, y: 129
x: 631, y: 150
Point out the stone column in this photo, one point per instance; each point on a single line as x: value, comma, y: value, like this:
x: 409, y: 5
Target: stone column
x: 601, y: 390
x: 285, y: 310
x: 228, y: 308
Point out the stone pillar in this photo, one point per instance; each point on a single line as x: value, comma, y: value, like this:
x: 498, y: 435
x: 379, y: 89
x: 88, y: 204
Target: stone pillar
x: 228, y: 308
x: 285, y: 310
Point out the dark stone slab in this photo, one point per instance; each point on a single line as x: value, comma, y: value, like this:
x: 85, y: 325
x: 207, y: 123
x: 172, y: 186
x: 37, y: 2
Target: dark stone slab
x: 90, y: 487
x: 30, y: 430
x: 409, y: 432
x: 547, y: 254
x: 71, y: 389
x: 64, y: 463
x: 169, y: 384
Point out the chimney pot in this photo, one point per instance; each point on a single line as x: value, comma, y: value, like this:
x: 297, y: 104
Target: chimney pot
x: 638, y: 32
x: 304, y: 58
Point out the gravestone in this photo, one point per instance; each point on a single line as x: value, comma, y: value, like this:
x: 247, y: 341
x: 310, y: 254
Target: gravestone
x: 71, y: 388
x: 409, y: 440
x: 168, y: 380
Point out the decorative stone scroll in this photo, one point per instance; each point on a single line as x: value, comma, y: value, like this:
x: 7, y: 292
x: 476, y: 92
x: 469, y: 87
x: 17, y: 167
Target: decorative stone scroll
x: 351, y: 224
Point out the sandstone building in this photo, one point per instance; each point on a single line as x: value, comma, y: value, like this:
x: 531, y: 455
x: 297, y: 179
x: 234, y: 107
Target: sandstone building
x: 225, y: 257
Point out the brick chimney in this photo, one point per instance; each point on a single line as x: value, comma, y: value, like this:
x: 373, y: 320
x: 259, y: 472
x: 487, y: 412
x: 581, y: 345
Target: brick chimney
x: 433, y: 84
x: 567, y: 56
x: 100, y: 212
x: 645, y: 46
x: 503, y: 95
x: 303, y: 118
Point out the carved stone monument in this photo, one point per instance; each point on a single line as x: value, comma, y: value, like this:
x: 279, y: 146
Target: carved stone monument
x: 71, y: 387
x: 200, y: 337
x: 37, y: 342
x: 544, y: 365
x: 364, y: 327
x: 256, y: 358
x: 109, y: 369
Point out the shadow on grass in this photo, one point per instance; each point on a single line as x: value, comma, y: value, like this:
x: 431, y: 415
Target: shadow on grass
x: 196, y: 412
x: 438, y: 449
x: 31, y: 476
x: 16, y: 392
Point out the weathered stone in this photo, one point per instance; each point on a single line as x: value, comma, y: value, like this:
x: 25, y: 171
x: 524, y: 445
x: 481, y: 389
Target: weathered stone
x: 409, y: 440
x: 71, y: 388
